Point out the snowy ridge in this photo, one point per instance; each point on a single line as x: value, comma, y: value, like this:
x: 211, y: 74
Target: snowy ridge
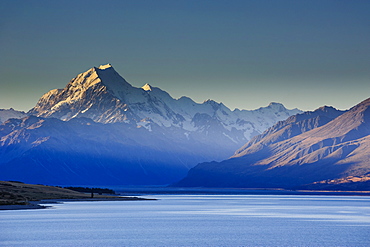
x: 250, y: 122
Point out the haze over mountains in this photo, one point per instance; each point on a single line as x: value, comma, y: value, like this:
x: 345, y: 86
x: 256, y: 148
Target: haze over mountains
x: 314, y: 150
x: 100, y: 129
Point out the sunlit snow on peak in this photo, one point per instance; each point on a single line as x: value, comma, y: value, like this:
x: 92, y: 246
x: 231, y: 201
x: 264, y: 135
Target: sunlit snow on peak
x: 147, y: 87
x: 106, y: 66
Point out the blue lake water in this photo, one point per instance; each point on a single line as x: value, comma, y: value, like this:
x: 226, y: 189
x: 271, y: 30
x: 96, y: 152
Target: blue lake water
x: 194, y: 220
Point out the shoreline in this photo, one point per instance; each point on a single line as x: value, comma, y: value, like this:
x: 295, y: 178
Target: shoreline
x: 20, y: 196
x: 192, y: 191
x: 22, y: 207
x: 142, y: 191
x: 17, y: 195
x: 38, y: 204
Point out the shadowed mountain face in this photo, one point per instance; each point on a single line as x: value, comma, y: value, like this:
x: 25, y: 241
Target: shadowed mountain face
x: 81, y: 151
x: 306, y: 148
x: 100, y: 130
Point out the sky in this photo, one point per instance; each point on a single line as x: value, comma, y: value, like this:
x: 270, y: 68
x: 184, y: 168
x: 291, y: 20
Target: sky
x: 246, y: 54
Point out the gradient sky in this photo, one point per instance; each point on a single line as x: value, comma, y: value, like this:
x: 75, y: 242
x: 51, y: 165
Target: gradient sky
x: 246, y: 54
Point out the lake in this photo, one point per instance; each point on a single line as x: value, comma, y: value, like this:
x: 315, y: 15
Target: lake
x: 194, y: 220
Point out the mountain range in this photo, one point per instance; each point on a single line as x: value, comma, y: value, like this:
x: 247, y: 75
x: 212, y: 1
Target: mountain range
x: 102, y: 95
x: 323, y: 149
x: 101, y: 130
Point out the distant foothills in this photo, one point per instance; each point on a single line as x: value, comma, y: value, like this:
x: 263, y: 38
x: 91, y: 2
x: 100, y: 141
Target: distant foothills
x: 100, y: 130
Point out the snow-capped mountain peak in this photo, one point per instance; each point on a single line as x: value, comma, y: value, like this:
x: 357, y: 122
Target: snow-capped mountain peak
x: 115, y: 83
x: 103, y: 95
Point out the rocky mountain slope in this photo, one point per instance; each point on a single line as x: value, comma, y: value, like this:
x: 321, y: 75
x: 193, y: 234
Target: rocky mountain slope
x: 101, y: 130
x: 307, y: 148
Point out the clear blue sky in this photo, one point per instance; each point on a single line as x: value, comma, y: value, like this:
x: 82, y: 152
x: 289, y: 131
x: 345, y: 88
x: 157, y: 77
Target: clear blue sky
x: 244, y: 53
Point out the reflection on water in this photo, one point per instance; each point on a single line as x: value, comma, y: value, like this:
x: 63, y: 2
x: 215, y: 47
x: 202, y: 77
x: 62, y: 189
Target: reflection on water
x: 191, y: 220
